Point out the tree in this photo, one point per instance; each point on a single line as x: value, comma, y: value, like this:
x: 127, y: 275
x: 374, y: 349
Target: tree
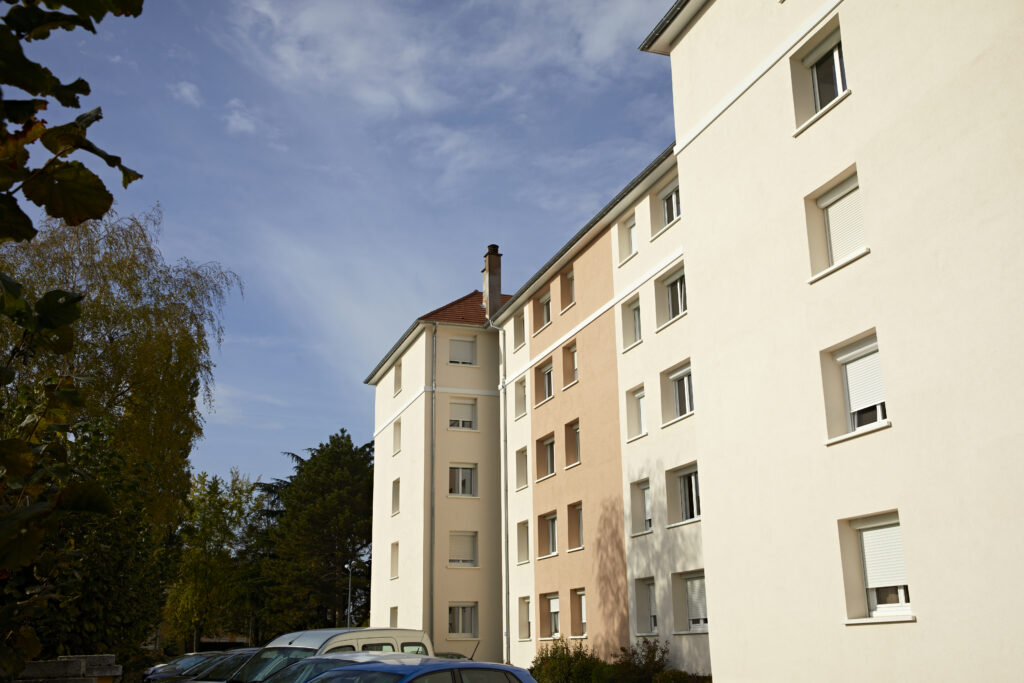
x: 326, y: 524
x: 36, y: 490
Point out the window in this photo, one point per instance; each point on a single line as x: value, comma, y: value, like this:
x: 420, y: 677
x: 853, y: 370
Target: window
x: 546, y: 457
x: 522, y: 469
x: 689, y: 495
x: 396, y: 437
x: 669, y: 198
x: 462, y: 549
x: 568, y: 282
x: 677, y: 392
x: 827, y: 70
x: 844, y: 228
x: 462, y: 620
x: 518, y: 330
x: 396, y: 487
x: 696, y: 604
x: 627, y: 239
x: 394, y: 560
x: 398, y: 377
x: 541, y: 311
x: 575, y: 526
x: 462, y: 480
x: 554, y: 628
x: 393, y: 617
x: 545, y: 382
x: 572, y: 443
x: 640, y: 494
x: 862, y: 379
x: 631, y: 330
x: 881, y: 589
x: 670, y: 297
x: 523, y: 542
x: 646, y: 606
x: 636, y: 426
x: 520, y: 393
x: 525, y: 632
x: 414, y: 648
x: 570, y: 369
x: 579, y: 612
x: 548, y: 536
x: 463, y: 414
x: 462, y: 351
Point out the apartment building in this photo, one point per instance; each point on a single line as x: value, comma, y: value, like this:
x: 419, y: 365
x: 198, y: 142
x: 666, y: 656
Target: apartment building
x: 849, y: 176
x: 437, y: 477
x: 762, y: 407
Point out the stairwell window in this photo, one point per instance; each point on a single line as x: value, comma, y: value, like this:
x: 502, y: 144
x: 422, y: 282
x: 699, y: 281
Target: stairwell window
x: 462, y: 480
x: 522, y: 469
x: 523, y: 542
x: 462, y: 351
x: 462, y: 549
x: 398, y: 377
x: 520, y: 397
x: 462, y: 620
x: 394, y: 560
x: 463, y: 414
x: 396, y: 437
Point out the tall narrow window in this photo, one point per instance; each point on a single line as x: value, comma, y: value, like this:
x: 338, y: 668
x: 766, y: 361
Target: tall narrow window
x: 885, y: 573
x: 696, y: 604
x: 394, y: 560
x: 682, y: 388
x: 844, y: 227
x: 581, y: 597
x: 828, y: 70
x: 862, y: 377
x: 523, y: 542
x: 640, y: 506
x: 396, y: 490
x: 646, y: 606
x: 552, y: 526
x: 570, y: 369
x: 632, y: 332
x: 669, y: 204
x: 541, y: 311
x: 463, y: 414
x: 398, y: 377
x: 520, y: 397
x: 572, y: 443
x: 462, y: 480
x: 636, y: 419
x: 689, y: 495
x: 545, y: 457
x: 631, y: 236
x: 525, y: 632
x: 546, y: 382
x: 522, y: 469
x: 568, y: 289
x: 518, y: 330
x: 645, y: 493
x: 676, y: 295
x: 393, y: 617
x: 396, y: 437
x: 553, y: 616
x: 575, y: 526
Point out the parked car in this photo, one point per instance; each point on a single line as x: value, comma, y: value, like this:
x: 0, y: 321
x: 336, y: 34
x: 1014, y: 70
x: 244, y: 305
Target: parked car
x: 311, y: 667
x: 222, y: 669
x: 179, y: 663
x: 293, y: 647
x: 428, y: 670
x: 186, y: 666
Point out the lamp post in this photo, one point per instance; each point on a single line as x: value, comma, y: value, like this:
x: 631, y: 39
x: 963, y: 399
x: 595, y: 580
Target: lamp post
x: 348, y: 607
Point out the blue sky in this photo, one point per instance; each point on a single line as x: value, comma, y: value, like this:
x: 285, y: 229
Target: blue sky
x: 316, y: 147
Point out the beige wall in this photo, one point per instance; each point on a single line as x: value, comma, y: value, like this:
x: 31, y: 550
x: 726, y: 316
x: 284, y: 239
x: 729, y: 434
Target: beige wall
x: 936, y: 138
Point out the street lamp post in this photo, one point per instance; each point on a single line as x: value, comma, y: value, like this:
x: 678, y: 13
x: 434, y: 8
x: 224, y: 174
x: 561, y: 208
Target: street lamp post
x: 348, y: 607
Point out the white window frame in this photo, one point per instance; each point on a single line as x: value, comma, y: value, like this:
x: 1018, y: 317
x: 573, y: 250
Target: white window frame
x: 453, y: 345
x: 880, y: 523
x: 545, y: 309
x: 462, y: 424
x: 547, y: 380
x: 518, y: 330
x: 581, y: 595
x: 523, y: 542
x: 671, y: 208
x: 570, y: 281
x: 844, y: 357
x: 641, y: 419
x: 689, y: 494
x: 652, y: 606
x: 646, y: 506
x: 457, y: 470
x: 458, y: 614
x: 552, y: 526
x: 684, y: 377
x: 697, y: 623
x: 675, y: 284
x: 830, y: 47
x: 828, y: 200
x: 554, y: 615
x: 549, y: 455
x: 574, y: 360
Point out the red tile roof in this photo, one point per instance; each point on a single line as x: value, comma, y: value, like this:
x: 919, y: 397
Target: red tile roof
x: 468, y: 310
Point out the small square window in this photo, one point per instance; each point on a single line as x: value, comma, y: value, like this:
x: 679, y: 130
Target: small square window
x: 462, y: 549
x: 462, y: 620
x: 462, y: 351
x: 689, y: 602
x: 854, y: 391
x: 462, y: 480
x: 463, y: 414
x: 818, y: 71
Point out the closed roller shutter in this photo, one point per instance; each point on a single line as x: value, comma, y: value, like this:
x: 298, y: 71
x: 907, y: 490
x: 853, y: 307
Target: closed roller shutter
x: 696, y: 601
x: 883, y: 557
x: 463, y: 548
x: 864, y: 382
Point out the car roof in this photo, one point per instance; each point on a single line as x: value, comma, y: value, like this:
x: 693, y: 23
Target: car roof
x: 316, y: 638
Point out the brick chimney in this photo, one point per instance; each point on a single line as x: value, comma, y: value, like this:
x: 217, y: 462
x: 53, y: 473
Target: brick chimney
x: 492, y: 280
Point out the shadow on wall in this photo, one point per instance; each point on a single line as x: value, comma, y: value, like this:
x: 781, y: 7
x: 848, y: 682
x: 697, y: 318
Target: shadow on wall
x: 612, y: 603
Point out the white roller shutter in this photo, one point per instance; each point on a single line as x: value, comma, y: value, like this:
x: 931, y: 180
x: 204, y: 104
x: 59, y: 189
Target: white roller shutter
x: 553, y: 605
x: 463, y: 548
x: 463, y: 413
x: 844, y: 225
x: 883, y: 557
x: 463, y: 351
x: 864, y: 382
x: 696, y: 602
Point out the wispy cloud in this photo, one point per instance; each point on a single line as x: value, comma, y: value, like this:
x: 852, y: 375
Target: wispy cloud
x: 187, y: 92
x: 240, y: 118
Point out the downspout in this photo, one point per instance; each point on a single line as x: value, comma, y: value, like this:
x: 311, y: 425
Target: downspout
x: 433, y: 440
x: 504, y: 486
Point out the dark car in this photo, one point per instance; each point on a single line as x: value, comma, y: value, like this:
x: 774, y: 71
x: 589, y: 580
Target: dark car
x: 426, y: 670
x: 185, y: 666
x: 215, y: 669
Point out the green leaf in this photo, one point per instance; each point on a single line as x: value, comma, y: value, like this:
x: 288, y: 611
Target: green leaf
x: 128, y: 176
x: 23, y: 73
x: 57, y: 308
x: 14, y: 224
x: 35, y: 24
x: 16, y: 457
x: 97, y: 9
x: 21, y: 111
x: 70, y: 191
x: 70, y: 136
x: 12, y: 303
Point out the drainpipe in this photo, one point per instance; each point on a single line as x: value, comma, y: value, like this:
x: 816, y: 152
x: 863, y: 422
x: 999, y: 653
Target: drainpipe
x: 504, y: 485
x: 433, y: 441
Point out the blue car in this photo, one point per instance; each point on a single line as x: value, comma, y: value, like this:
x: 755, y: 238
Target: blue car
x: 426, y: 670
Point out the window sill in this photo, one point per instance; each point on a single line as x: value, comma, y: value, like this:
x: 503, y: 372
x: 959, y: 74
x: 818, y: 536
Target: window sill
x: 574, y: 550
x: 575, y: 464
x: 578, y: 637
x: 824, y: 110
x: 459, y: 495
x: 538, y: 405
x: 633, y: 345
x: 571, y: 304
x: 547, y: 638
x: 669, y: 322
x: 522, y: 562
x: 627, y: 259
x: 526, y: 640
x: 455, y: 636
x: 463, y: 429
x: 878, y: 426
x: 519, y: 417
x: 646, y: 634
x: 394, y: 453
x: 634, y: 438
x: 463, y: 365
x: 689, y: 633
x: 546, y: 476
x: 571, y: 384
x: 891, y: 619
x: 463, y: 566
x: 544, y: 557
x: 542, y: 328
x: 523, y: 487
x: 393, y: 578
x: 645, y: 532
x: 395, y: 513
x: 515, y: 349
x: 679, y: 418
x: 863, y: 251
x: 665, y: 228
x: 673, y: 525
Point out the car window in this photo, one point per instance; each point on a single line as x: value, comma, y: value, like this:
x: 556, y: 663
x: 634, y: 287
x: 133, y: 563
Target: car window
x: 343, y: 648
x: 483, y: 676
x: 223, y: 669
x: 269, y: 660
x: 414, y: 648
x: 378, y: 647
x: 437, y: 677
x: 202, y: 665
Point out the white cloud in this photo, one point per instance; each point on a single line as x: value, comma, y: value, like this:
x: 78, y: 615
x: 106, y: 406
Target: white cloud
x: 240, y: 119
x: 186, y: 92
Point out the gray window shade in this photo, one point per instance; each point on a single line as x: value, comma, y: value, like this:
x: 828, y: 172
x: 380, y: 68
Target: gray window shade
x: 463, y: 548
x: 696, y: 603
x: 883, y: 557
x: 463, y: 412
x: 845, y: 226
x: 864, y: 382
x: 463, y: 351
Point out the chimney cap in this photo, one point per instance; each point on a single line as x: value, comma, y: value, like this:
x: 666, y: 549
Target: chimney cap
x: 492, y: 248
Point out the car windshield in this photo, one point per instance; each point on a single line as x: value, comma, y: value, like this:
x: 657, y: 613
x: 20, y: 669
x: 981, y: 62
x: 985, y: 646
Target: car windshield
x: 270, y: 660
x: 199, y: 667
x: 303, y: 671
x: 222, y: 669
x: 182, y: 663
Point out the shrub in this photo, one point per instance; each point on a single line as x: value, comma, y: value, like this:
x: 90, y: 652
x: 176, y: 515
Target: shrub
x: 641, y: 661
x: 558, y: 662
